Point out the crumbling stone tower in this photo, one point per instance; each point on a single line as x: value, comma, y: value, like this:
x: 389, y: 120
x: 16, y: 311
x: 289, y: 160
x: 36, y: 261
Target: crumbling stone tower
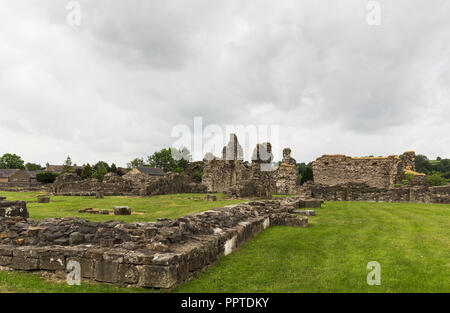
x: 219, y: 175
x: 285, y: 177
x: 230, y: 175
x: 260, y: 179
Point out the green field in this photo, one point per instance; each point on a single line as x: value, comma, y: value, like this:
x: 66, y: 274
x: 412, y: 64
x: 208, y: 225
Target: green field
x: 410, y: 241
x: 144, y: 209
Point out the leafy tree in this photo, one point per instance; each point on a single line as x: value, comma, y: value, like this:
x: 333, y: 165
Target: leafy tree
x: 33, y: 167
x: 77, y: 170
x: 436, y: 179
x: 46, y: 177
x: 113, y: 169
x: 408, y: 177
x: 102, y: 163
x: 307, y: 175
x: 305, y: 172
x: 299, y: 179
x: 100, y: 172
x: 137, y: 162
x: 170, y: 160
x: 11, y: 161
x: 67, y: 166
x: 87, y: 171
x: 197, y: 176
x: 423, y: 165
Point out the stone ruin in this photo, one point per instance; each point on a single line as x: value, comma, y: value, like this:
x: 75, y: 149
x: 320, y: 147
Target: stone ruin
x: 364, y: 192
x: 228, y: 174
x: 70, y: 184
x: 381, y: 172
x: 158, y: 254
x: 13, y: 208
x: 384, y: 179
x: 285, y: 177
x: 231, y: 175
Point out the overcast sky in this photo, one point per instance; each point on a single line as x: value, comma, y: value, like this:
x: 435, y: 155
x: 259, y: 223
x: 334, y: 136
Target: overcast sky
x: 114, y: 87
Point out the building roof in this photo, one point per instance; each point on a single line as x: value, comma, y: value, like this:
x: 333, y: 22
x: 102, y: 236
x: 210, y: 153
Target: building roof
x: 152, y: 171
x: 59, y: 168
x: 33, y: 173
x: 5, y: 173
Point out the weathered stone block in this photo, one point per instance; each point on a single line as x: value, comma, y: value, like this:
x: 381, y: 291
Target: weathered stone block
x: 5, y: 260
x: 128, y: 274
x: 87, y: 266
x: 158, y: 246
x: 134, y: 257
x: 76, y: 238
x: 13, y: 209
x: 106, y: 271
x: 305, y: 212
x: 43, y: 199
x: 52, y: 262
x: 27, y: 252
x: 210, y: 198
x: 157, y: 276
x: 6, y: 250
x: 25, y: 263
x: 122, y: 210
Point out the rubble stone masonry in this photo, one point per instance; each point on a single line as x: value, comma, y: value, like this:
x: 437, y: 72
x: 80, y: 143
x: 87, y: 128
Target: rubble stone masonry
x: 231, y: 175
x: 381, y: 172
x: 364, y: 192
x: 158, y: 254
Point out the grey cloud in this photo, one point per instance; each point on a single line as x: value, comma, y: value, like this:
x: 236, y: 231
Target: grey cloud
x: 115, y: 86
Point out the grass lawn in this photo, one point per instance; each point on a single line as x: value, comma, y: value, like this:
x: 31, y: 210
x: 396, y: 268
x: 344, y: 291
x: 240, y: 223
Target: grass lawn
x: 410, y: 241
x: 18, y: 282
x: 144, y: 209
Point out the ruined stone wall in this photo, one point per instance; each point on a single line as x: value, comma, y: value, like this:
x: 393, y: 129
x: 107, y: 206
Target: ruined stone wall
x: 364, y: 192
x: 285, y: 177
x: 13, y: 208
x: 138, y: 184
x: 194, y: 167
x: 72, y: 184
x: 19, y: 177
x: 381, y: 172
x: 259, y: 181
x: 230, y: 174
x: 161, y: 254
x: 173, y: 183
x: 23, y: 187
x: 221, y: 175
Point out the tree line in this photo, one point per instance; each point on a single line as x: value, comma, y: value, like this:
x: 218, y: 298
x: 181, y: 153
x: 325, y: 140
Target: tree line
x: 437, y: 171
x: 170, y: 160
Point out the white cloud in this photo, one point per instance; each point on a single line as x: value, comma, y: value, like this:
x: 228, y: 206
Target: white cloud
x: 114, y: 87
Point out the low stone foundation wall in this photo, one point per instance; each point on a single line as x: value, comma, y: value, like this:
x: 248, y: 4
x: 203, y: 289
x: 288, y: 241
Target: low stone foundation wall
x: 133, y: 185
x: 162, y: 254
x: 24, y: 187
x: 13, y: 208
x: 363, y: 192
